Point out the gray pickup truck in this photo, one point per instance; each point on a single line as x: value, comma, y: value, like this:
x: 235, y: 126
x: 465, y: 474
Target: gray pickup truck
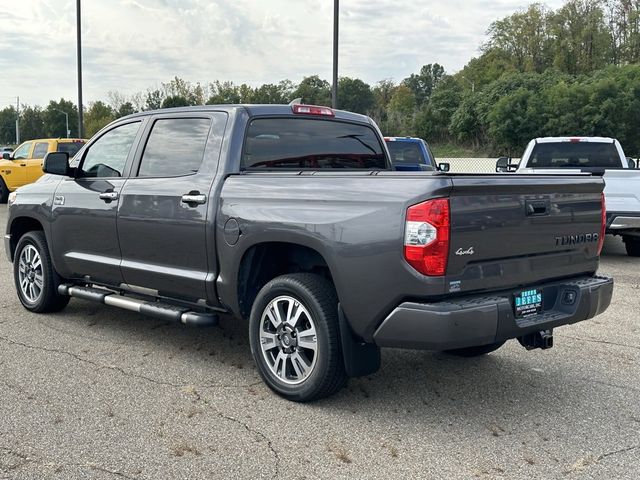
x: 293, y: 218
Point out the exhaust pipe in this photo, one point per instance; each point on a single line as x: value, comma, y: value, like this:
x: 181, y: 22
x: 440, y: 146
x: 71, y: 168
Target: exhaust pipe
x: 542, y: 340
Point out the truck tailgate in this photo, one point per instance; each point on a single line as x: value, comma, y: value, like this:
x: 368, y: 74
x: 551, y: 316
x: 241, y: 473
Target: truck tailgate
x: 509, y: 231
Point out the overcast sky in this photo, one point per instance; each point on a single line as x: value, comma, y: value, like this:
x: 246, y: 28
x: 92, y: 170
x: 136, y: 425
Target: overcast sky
x: 131, y: 45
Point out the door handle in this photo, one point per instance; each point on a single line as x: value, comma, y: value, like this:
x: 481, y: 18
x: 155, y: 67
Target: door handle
x: 192, y: 199
x: 109, y: 196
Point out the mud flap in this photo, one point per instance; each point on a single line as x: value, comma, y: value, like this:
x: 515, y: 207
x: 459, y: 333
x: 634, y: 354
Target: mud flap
x: 360, y: 358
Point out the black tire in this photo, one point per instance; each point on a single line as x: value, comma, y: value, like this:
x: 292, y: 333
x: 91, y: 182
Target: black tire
x: 632, y: 244
x: 475, y: 351
x: 48, y: 300
x: 4, y: 191
x: 326, y: 374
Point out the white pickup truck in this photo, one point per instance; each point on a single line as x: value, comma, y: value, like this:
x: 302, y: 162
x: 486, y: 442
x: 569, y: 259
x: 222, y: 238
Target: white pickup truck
x: 596, y: 155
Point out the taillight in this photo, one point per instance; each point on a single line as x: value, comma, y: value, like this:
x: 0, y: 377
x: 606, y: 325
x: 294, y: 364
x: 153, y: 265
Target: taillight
x: 426, y: 237
x: 603, y: 223
x: 312, y: 110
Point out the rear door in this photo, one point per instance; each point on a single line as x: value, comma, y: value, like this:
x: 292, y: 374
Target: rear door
x: 84, y: 208
x: 34, y: 164
x: 165, y: 207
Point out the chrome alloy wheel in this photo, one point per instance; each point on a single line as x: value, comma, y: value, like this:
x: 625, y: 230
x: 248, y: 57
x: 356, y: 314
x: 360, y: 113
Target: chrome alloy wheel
x: 30, y: 274
x: 288, y: 339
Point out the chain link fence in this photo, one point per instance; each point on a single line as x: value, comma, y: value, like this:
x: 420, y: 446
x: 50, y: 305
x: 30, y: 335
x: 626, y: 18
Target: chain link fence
x: 472, y: 165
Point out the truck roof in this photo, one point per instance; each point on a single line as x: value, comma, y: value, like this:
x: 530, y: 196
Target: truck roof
x: 574, y: 139
x: 253, y: 110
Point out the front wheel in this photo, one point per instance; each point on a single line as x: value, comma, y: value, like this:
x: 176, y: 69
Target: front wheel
x: 632, y: 244
x: 475, y: 351
x: 294, y: 336
x: 36, y: 280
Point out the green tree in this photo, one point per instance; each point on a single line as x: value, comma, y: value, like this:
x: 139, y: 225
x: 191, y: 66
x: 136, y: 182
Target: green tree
x: 125, y: 109
x: 175, y: 101
x: 154, y: 100
x: 314, y: 91
x: 223, y: 93
x: 55, y: 121
x: 400, y: 112
x: 582, y: 40
x: 423, y: 83
x: 97, y: 116
x: 8, y: 117
x: 525, y: 36
x: 354, y: 95
x: 31, y: 123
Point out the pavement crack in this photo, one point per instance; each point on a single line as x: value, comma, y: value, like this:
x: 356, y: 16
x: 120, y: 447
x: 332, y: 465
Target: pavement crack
x: 617, y: 452
x: 593, y: 340
x: 246, y: 426
x: 114, y: 368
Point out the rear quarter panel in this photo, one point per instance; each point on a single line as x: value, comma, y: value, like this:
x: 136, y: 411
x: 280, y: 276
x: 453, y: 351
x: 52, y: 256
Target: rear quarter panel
x: 355, y: 221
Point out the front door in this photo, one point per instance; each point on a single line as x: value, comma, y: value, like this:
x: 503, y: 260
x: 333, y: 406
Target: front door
x: 85, y: 207
x: 16, y: 173
x: 165, y: 208
x: 34, y: 163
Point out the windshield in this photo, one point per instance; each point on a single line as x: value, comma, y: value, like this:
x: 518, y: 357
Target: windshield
x: 70, y: 147
x: 575, y: 155
x: 407, y: 153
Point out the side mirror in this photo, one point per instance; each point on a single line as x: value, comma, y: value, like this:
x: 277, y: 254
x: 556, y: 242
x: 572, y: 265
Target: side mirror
x: 56, y: 163
x: 6, y: 155
x: 444, y: 167
x: 631, y: 162
x: 502, y: 165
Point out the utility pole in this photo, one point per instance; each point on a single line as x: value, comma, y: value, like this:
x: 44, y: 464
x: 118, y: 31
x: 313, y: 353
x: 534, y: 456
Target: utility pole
x: 18, y: 121
x: 79, y: 42
x: 334, y: 89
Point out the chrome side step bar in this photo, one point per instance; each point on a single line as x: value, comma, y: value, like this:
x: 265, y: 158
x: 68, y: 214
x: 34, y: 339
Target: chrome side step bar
x: 160, y: 310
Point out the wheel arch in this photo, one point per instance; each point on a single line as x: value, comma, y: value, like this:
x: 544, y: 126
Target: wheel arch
x: 264, y: 261
x: 19, y: 227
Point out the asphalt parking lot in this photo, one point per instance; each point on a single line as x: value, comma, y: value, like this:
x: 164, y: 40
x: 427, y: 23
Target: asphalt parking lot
x: 100, y: 393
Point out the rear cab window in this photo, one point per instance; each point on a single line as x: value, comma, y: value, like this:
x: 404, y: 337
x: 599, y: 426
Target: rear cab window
x: 311, y: 144
x: 70, y: 147
x: 575, y: 155
x: 407, y: 153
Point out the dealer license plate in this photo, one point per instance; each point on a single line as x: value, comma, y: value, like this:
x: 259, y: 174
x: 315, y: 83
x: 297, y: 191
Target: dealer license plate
x: 528, y: 303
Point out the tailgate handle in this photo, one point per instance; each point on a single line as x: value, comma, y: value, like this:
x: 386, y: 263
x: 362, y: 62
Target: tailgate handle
x: 537, y: 208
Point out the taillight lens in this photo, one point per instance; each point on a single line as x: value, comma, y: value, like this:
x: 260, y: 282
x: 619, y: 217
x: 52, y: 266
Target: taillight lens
x: 426, y: 237
x: 603, y: 223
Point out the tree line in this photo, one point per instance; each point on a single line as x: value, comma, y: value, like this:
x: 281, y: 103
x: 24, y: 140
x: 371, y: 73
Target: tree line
x: 570, y: 71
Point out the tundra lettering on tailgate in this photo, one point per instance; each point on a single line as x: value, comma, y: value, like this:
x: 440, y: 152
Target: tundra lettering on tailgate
x: 577, y: 239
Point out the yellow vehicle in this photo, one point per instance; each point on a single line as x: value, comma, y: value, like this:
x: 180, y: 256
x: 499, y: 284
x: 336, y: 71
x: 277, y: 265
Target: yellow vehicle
x: 24, y: 164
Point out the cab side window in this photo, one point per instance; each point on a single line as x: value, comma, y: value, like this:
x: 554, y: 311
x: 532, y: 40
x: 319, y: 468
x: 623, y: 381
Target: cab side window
x: 22, y: 152
x: 40, y: 150
x: 108, y: 155
x: 175, y: 147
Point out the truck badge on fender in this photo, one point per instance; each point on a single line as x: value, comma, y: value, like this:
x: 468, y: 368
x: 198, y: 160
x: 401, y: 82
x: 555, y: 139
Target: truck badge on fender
x: 468, y: 251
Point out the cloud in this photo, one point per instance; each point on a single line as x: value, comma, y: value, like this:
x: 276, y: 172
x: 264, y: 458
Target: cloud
x: 131, y: 45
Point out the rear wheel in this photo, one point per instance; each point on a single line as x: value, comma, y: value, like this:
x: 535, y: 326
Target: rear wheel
x: 4, y: 191
x: 632, y: 244
x: 294, y: 337
x: 475, y: 351
x: 35, y: 279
